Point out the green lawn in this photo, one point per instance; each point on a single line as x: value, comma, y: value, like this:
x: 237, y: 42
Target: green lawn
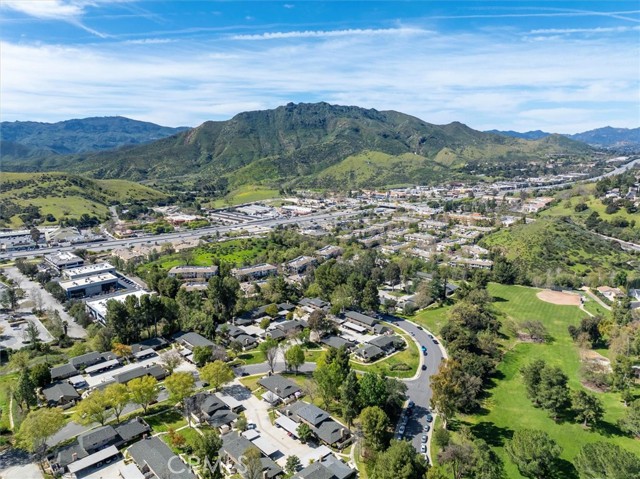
x: 410, y: 357
x: 245, y: 194
x: 507, y: 407
x: 595, y: 308
x: 432, y: 318
x: 171, y: 418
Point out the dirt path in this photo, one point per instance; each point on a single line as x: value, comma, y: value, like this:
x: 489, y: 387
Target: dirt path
x: 596, y: 299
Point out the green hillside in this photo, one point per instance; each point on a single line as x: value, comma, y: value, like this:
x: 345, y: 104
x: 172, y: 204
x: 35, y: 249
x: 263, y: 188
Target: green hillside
x: 554, y: 245
x: 58, y: 196
x: 299, y: 142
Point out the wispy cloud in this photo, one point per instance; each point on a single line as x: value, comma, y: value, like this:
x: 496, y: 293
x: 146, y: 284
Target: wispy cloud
x: 569, y: 31
x: 622, y: 15
x: 351, y: 32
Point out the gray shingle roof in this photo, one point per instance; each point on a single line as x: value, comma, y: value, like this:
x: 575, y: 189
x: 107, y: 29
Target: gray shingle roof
x: 387, y: 342
x: 317, y: 470
x: 88, y: 359
x: 280, y: 386
x: 370, y: 351
x: 132, y: 429
x: 235, y: 446
x: 312, y: 414
x: 97, y: 437
x: 194, y: 339
x: 361, y: 318
x: 339, y: 469
x: 156, y: 455
x: 330, y: 431
x: 63, y: 372
x: 337, y: 342
x: 65, y: 456
x: 56, y: 391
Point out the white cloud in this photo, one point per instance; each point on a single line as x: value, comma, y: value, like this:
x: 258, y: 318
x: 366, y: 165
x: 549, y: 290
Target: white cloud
x: 440, y: 78
x: 354, y: 32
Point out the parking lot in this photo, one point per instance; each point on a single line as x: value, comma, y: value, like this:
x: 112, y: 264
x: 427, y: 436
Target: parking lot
x: 14, y: 334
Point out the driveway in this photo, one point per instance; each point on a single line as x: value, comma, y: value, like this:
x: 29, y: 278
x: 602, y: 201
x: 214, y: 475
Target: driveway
x: 74, y: 330
x: 15, y: 463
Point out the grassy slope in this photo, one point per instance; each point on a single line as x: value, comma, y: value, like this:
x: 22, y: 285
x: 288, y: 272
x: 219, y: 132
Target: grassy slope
x: 507, y: 408
x: 60, y: 195
x: 245, y: 194
x: 550, y: 244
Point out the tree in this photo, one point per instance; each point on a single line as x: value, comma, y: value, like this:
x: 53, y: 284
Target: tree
x: 25, y: 393
x: 631, y: 420
x: 37, y: 427
x: 328, y: 379
x: 587, y: 407
x: 19, y: 360
x: 122, y: 350
x: 533, y: 452
x: 217, y: 374
x: 41, y: 375
x: 171, y: 360
x: 294, y: 357
x: 349, y: 393
x: 458, y: 459
x: 399, y: 461
x: 252, y: 464
x: 374, y: 423
x: 392, y: 273
x: 201, y: 355
x: 373, y: 390
x: 319, y: 323
x: 622, y: 374
x: 32, y: 335
x: 446, y: 391
x: 269, y: 348
x: 10, y: 298
x: 438, y: 287
x: 304, y: 432
x: 604, y: 460
x: 370, y: 297
x: 531, y: 376
x: 272, y: 310
x: 118, y: 397
x: 236, y: 347
x: 292, y: 465
x: 180, y: 386
x: 144, y: 391
x: 265, y: 323
x: 207, y: 445
x: 36, y: 297
x: 553, y: 392
x: 95, y: 408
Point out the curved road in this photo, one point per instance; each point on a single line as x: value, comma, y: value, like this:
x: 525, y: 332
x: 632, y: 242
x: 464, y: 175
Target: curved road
x: 418, y: 389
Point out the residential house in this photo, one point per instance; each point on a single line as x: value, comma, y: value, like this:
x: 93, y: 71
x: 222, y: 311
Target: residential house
x: 328, y: 431
x: 210, y: 409
x: 300, y: 264
x: 155, y: 370
x: 257, y: 271
x: 64, y: 371
x: 234, y: 447
x: 193, y: 273
x: 192, y: 340
x: 361, y: 321
x: 156, y: 460
x: 610, y: 293
x: 328, y: 252
x: 60, y: 394
x: 279, y: 389
x: 369, y: 353
x: 389, y: 344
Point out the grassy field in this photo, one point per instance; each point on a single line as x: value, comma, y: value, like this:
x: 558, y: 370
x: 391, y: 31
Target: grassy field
x: 64, y: 195
x: 566, y: 208
x: 171, y: 418
x: 507, y: 407
x: 432, y: 318
x: 596, y: 309
x: 245, y: 194
x: 237, y: 252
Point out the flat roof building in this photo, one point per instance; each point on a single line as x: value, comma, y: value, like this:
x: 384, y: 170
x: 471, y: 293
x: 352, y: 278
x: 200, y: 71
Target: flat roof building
x: 73, y: 274
x: 193, y: 273
x: 254, y: 272
x: 90, y: 285
x: 63, y: 260
x: 97, y: 309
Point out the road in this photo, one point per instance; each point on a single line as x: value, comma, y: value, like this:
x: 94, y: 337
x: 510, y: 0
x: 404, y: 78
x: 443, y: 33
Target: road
x: 418, y: 389
x: 186, y: 235
x: 74, y: 330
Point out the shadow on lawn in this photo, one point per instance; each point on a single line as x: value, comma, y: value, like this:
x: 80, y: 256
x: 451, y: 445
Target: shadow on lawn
x: 493, y: 435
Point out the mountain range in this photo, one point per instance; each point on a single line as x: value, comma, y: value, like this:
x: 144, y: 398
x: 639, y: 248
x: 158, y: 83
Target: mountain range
x: 607, y: 137
x: 30, y: 139
x: 314, y: 144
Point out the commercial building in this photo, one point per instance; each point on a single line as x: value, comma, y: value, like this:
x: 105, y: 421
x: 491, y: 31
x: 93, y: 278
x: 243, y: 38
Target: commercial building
x: 90, y: 285
x: 300, y: 264
x: 97, y: 309
x: 62, y: 260
x: 73, y: 274
x: 17, y: 240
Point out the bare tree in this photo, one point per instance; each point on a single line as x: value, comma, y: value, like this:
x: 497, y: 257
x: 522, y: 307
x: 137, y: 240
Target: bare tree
x: 36, y: 296
x: 171, y: 360
x: 32, y: 334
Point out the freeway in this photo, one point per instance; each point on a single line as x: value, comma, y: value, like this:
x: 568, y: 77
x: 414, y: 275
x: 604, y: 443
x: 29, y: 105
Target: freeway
x: 183, y: 235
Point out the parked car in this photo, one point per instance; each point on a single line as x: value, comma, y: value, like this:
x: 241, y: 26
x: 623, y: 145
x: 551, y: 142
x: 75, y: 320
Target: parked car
x: 423, y: 448
x: 250, y: 425
x: 435, y: 341
x: 427, y: 428
x: 429, y: 418
x: 401, y: 430
x: 424, y: 439
x: 424, y: 367
x: 419, y: 327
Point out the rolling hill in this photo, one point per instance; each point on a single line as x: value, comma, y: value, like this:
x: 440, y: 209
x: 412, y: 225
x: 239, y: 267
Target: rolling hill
x: 553, y: 245
x: 606, y: 137
x: 30, y: 139
x: 63, y: 196
x: 296, y: 143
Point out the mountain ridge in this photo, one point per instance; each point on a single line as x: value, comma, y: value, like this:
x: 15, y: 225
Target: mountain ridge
x: 295, y: 142
x: 605, y: 137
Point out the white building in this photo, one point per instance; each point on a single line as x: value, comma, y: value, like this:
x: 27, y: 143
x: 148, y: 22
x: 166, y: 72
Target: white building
x: 97, y: 309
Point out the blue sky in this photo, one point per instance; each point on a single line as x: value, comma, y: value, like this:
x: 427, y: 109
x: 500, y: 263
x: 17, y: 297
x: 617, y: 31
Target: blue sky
x: 562, y: 66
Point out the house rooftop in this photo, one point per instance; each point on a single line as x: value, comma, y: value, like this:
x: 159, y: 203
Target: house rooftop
x: 155, y: 455
x: 280, y: 386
